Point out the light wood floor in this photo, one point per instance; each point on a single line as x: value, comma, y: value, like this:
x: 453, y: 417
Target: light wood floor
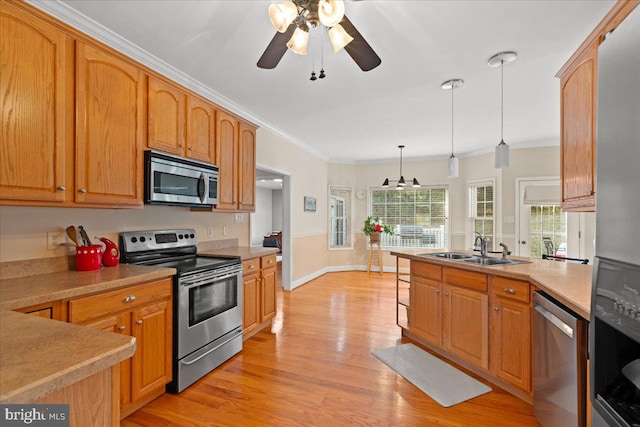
x: 314, y: 368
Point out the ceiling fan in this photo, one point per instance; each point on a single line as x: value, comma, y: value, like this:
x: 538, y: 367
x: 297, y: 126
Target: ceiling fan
x: 293, y: 18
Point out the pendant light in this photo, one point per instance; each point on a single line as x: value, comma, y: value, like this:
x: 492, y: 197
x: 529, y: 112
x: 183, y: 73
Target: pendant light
x: 502, y: 149
x: 452, y: 164
x: 401, y: 182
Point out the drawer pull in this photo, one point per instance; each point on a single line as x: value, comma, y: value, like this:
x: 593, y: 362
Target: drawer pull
x: 446, y: 294
x: 129, y: 298
x: 82, y: 190
x: 121, y: 328
x: 496, y: 308
x: 251, y: 266
x: 437, y: 291
x: 139, y: 322
x: 270, y: 261
x: 510, y: 291
x: 62, y: 188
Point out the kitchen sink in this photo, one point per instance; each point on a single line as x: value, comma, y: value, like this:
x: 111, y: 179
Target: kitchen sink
x: 473, y: 259
x: 448, y: 255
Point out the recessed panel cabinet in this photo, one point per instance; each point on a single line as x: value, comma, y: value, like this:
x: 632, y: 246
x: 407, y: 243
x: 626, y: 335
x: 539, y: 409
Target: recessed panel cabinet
x: 144, y: 312
x: 37, y: 108
x: 258, y: 293
x: 109, y: 128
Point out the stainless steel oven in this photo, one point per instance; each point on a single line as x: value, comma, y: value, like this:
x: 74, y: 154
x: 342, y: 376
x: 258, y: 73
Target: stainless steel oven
x: 172, y: 180
x: 207, y: 300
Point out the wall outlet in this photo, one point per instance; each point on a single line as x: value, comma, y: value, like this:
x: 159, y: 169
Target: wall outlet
x: 238, y: 218
x: 210, y: 231
x: 224, y: 230
x: 54, y: 239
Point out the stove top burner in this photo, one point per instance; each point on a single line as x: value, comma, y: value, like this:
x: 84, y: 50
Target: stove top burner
x: 196, y: 263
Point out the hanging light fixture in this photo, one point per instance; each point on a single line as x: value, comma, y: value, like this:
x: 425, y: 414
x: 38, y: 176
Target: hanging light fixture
x: 452, y: 164
x: 502, y: 149
x: 401, y: 182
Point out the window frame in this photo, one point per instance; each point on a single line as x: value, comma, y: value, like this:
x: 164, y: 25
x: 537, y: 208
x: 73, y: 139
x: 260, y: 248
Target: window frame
x: 447, y: 227
x: 349, y: 219
x: 472, y: 204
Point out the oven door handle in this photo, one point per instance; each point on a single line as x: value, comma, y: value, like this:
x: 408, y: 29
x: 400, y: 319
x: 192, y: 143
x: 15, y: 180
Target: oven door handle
x: 202, y: 183
x: 208, y: 280
x: 191, y: 362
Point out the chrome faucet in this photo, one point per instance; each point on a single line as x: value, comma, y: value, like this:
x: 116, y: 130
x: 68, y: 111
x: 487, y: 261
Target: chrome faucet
x: 483, y: 244
x: 505, y: 250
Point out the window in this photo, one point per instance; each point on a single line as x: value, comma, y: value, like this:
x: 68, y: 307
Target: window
x: 481, y: 210
x: 418, y: 216
x: 548, y: 222
x: 340, y: 218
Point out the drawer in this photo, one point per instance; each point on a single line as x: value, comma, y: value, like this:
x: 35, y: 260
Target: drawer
x: 510, y: 288
x: 250, y: 266
x: 96, y: 306
x: 466, y: 278
x: 268, y: 261
x: 429, y: 271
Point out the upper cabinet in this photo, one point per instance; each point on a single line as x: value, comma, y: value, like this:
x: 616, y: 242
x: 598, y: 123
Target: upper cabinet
x: 247, y: 167
x: 180, y: 123
x: 37, y: 109
x: 578, y: 102
x: 109, y: 128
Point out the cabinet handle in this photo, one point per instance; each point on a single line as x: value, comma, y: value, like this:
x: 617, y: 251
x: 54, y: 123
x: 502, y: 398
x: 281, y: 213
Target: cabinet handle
x: 510, y: 291
x: 446, y: 294
x: 251, y: 266
x: 190, y: 148
x: 437, y: 291
x: 121, y: 328
x: 180, y: 145
x: 139, y: 322
x: 270, y: 261
x: 62, y: 188
x: 496, y: 308
x: 129, y: 298
x: 82, y: 190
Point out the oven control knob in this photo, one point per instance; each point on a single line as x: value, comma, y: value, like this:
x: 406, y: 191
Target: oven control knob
x: 134, y: 239
x: 142, y: 239
x: 180, y: 236
x: 192, y: 235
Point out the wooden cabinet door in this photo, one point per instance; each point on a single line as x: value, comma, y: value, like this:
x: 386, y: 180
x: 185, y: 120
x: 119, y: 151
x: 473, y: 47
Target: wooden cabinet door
x: 227, y: 160
x: 511, y: 342
x: 151, y: 326
x: 109, y: 128
x: 268, y: 293
x: 247, y: 168
x: 466, y: 324
x: 426, y: 309
x: 201, y: 130
x: 578, y: 121
x: 165, y: 125
x: 119, y: 324
x: 37, y: 110
x: 250, y: 303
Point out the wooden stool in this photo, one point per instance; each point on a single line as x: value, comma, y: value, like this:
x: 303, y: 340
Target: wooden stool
x: 375, y: 255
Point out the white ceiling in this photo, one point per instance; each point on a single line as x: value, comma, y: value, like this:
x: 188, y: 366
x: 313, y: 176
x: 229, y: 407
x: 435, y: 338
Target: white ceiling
x: 353, y: 116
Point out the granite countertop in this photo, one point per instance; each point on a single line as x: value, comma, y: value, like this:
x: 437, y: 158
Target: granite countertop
x: 567, y: 282
x: 39, y: 356
x: 242, y: 252
x: 31, y: 290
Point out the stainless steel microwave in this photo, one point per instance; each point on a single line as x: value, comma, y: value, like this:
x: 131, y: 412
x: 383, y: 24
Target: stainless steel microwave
x: 172, y: 180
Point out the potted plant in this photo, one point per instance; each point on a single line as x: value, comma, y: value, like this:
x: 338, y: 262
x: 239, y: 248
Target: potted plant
x: 373, y: 227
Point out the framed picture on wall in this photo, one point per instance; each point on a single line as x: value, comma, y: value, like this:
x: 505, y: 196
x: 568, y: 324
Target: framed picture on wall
x: 309, y: 204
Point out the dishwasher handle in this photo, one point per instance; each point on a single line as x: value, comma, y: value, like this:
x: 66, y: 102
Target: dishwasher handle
x: 555, y: 320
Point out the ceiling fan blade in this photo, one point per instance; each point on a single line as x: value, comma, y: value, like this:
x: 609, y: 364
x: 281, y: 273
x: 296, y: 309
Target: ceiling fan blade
x: 359, y: 49
x: 276, y: 49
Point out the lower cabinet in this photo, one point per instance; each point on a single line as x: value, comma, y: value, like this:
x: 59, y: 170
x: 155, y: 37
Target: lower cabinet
x: 49, y: 310
x: 258, y: 294
x: 144, y: 312
x: 511, y: 332
x: 482, y: 320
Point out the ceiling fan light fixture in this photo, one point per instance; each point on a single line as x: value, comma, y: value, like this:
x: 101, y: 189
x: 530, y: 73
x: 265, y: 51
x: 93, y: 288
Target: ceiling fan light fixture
x: 298, y: 41
x: 330, y: 12
x: 339, y: 37
x: 282, y: 15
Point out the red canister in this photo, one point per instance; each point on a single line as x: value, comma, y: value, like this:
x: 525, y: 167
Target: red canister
x: 88, y: 257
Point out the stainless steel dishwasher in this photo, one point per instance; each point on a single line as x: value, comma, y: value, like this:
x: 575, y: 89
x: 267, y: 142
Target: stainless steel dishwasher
x: 559, y: 363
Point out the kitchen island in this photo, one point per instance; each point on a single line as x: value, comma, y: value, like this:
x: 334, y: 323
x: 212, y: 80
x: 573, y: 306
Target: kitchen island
x: 480, y: 316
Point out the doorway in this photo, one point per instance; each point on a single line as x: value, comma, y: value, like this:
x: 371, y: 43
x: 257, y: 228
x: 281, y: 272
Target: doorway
x: 273, y: 216
x: 543, y: 227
